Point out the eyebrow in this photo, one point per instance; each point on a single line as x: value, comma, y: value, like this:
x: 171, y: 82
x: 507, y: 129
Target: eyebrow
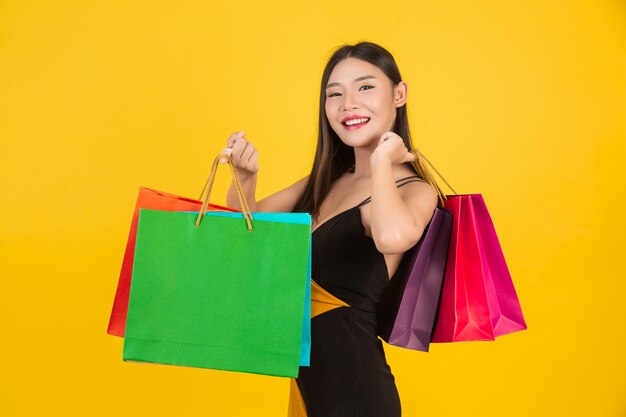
x: 365, y: 77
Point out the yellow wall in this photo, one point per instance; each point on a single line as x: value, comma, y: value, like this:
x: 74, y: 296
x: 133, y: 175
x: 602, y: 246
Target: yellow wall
x: 522, y: 101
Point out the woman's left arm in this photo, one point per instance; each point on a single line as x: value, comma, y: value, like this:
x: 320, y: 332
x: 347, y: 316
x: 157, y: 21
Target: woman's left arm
x: 397, y: 219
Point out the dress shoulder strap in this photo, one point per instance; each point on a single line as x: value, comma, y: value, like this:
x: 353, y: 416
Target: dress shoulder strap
x: 399, y: 183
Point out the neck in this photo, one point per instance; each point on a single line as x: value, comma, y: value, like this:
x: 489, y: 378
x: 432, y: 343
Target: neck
x: 362, y: 167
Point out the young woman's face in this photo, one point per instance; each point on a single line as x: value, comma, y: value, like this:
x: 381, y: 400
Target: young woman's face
x: 361, y: 102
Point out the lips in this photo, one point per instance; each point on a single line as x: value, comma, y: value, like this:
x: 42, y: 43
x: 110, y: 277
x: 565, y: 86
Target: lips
x: 354, y: 122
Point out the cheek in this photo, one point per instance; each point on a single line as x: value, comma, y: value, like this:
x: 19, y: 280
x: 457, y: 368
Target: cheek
x: 331, y: 112
x: 384, y: 106
x: 382, y: 100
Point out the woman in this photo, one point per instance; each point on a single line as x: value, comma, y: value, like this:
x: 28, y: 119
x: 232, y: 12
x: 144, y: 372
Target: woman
x: 368, y: 207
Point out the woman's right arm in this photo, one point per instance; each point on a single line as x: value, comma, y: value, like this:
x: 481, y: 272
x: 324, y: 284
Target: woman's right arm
x: 245, y: 158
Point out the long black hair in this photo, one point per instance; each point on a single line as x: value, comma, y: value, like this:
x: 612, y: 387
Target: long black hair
x: 333, y: 157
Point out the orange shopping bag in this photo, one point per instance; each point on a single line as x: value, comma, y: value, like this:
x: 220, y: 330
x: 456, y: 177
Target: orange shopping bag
x: 147, y: 199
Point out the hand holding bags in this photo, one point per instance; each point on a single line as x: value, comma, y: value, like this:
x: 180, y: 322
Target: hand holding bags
x: 215, y: 291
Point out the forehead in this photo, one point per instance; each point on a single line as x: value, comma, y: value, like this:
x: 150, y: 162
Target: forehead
x: 351, y: 68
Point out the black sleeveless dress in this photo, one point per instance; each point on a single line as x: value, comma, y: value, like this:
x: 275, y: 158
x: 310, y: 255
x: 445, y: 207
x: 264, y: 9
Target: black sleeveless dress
x: 348, y: 375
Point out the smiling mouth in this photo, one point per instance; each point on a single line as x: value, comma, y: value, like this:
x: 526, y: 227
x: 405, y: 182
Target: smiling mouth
x: 356, y: 122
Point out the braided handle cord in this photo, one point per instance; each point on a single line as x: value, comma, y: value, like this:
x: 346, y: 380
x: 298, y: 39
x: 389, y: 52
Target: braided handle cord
x: 208, y: 187
x: 424, y: 172
x: 419, y: 164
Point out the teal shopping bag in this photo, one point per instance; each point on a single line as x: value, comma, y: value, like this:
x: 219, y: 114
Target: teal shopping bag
x: 219, y: 292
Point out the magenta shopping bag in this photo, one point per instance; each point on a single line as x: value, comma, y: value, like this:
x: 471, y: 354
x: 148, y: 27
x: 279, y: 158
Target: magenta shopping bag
x: 478, y: 299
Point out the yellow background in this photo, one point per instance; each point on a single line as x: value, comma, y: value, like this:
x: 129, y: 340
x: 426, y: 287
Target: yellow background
x: 522, y: 101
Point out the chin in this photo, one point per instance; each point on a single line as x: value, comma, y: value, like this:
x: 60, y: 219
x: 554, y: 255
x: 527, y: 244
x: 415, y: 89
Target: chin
x: 359, y: 140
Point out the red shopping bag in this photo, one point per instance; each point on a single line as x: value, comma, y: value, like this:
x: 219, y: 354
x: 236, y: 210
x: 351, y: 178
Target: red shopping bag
x: 148, y: 199
x: 478, y: 299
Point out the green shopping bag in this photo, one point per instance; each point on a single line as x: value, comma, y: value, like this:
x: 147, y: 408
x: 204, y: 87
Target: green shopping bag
x: 305, y: 341
x: 209, y: 292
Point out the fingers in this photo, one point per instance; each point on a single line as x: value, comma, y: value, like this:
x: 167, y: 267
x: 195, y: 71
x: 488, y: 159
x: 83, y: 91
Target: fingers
x: 253, y: 162
x: 389, y: 135
x: 243, y: 153
x: 246, y: 154
x: 393, y: 148
x: 233, y: 138
x: 237, y: 149
x: 230, y: 143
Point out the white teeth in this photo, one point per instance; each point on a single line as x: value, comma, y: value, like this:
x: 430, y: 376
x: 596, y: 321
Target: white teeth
x: 355, y: 121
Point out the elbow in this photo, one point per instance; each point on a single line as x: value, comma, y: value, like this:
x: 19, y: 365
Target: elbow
x: 395, y: 242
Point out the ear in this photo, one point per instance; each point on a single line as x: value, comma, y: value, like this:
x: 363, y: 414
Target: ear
x: 400, y: 94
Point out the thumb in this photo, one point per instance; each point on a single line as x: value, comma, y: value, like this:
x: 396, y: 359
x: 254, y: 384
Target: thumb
x: 409, y: 157
x: 227, y: 151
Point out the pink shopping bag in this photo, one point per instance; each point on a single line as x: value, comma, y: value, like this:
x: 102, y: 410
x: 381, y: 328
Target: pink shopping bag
x: 478, y: 299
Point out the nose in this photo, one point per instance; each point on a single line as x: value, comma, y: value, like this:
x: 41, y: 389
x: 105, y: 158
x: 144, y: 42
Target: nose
x: 350, y: 101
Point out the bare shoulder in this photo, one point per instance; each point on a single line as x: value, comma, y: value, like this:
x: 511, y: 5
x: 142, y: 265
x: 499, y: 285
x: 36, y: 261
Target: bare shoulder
x: 420, y: 196
x: 284, y: 200
x: 417, y: 187
x: 414, y: 188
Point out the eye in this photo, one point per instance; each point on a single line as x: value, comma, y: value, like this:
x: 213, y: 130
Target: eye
x: 365, y: 87
x: 335, y: 94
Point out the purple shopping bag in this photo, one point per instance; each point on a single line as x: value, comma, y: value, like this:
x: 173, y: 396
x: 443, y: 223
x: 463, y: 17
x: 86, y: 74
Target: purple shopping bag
x: 407, y: 312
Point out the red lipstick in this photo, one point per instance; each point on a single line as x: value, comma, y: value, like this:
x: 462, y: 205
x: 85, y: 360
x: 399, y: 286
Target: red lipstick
x: 354, y: 121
